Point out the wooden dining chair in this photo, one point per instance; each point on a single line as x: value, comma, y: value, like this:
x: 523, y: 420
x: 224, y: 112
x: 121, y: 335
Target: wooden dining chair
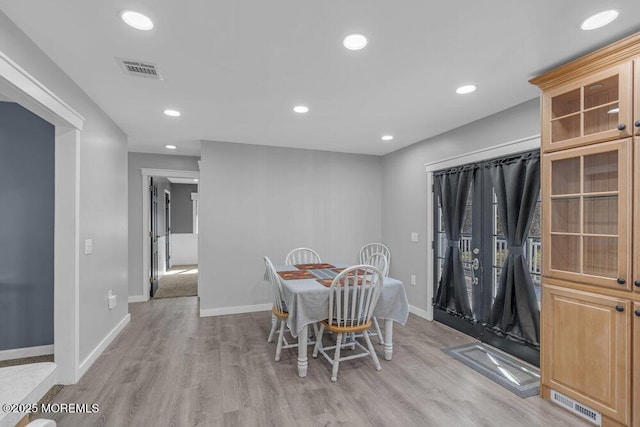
x: 371, y: 248
x: 279, y: 310
x: 378, y: 260
x: 353, y: 296
x: 302, y: 256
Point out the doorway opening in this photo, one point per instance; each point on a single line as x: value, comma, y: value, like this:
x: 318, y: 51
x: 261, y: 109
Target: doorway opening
x: 173, y: 236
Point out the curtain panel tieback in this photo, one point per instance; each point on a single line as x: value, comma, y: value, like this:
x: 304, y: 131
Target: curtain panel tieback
x: 516, y: 250
x: 454, y: 243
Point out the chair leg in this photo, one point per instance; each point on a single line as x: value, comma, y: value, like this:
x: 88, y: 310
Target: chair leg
x: 372, y: 350
x: 377, y: 327
x: 280, y: 339
x: 318, y: 345
x: 274, y: 325
x: 336, y: 359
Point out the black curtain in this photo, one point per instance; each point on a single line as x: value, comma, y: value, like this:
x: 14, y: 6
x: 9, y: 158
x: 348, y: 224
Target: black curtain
x: 452, y: 189
x: 515, y: 312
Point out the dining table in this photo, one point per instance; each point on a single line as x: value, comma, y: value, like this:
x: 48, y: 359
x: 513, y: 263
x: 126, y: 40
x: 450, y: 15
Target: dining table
x: 306, y: 291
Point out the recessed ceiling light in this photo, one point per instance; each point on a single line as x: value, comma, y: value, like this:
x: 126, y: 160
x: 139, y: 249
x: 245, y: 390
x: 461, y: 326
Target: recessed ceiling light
x: 355, y: 41
x: 596, y: 86
x: 599, y: 20
x: 170, y: 147
x: 387, y: 137
x: 195, y: 179
x: 614, y: 110
x: 172, y: 113
x: 463, y: 90
x: 136, y: 20
x: 301, y: 109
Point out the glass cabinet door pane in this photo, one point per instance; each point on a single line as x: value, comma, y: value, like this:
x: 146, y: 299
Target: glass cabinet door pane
x: 601, y: 172
x: 565, y: 253
x: 601, y: 119
x: 565, y: 128
x: 565, y: 104
x: 602, y: 92
x: 565, y: 176
x: 601, y: 215
x: 565, y: 215
x: 601, y: 256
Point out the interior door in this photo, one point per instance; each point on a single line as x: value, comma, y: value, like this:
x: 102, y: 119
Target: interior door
x: 483, y: 251
x: 153, y: 233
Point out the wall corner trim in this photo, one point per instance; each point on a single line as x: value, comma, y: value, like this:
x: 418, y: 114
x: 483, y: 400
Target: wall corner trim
x: 93, y: 356
x: 138, y: 298
x: 19, y: 353
x: 206, y: 312
x: 420, y: 312
x: 25, y: 89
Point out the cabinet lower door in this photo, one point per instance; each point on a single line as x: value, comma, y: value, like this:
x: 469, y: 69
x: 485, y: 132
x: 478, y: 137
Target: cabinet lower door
x: 586, y: 349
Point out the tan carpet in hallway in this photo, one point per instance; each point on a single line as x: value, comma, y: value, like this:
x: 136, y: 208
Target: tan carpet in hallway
x: 178, y: 281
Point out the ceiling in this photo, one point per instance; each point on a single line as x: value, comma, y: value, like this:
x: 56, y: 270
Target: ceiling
x: 236, y: 68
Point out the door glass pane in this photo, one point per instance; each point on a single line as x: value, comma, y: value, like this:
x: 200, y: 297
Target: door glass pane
x: 565, y: 128
x: 601, y: 256
x: 565, y: 215
x: 565, y: 252
x: 565, y: 104
x: 565, y: 176
x: 532, y: 247
x: 601, y: 92
x: 601, y: 119
x: 601, y: 215
x: 601, y: 172
x: 465, y: 248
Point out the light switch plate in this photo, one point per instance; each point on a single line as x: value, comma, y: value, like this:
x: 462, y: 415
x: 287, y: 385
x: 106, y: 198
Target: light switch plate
x: 413, y: 279
x: 88, y: 246
x: 414, y: 237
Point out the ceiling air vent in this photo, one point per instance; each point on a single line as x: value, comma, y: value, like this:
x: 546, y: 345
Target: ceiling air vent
x: 147, y: 70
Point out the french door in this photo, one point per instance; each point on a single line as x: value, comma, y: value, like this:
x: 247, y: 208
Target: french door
x: 483, y: 249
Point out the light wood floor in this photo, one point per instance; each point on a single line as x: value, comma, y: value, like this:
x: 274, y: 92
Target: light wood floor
x: 171, y: 368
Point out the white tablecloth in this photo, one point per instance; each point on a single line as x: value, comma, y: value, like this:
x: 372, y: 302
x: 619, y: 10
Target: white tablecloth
x: 308, y: 301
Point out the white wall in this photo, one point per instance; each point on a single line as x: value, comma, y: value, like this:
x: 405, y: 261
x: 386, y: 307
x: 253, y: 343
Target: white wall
x: 258, y: 200
x: 184, y: 248
x: 103, y: 192
x: 137, y: 161
x: 405, y: 192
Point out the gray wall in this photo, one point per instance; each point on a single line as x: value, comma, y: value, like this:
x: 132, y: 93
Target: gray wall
x: 137, y: 161
x: 103, y: 191
x: 404, y: 186
x: 258, y: 200
x: 27, y: 174
x: 182, y: 207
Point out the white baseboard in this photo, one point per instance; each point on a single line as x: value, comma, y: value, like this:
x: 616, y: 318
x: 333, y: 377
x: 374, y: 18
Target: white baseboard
x: 138, y: 298
x: 90, y: 360
x: 206, y: 312
x: 19, y: 353
x: 420, y: 312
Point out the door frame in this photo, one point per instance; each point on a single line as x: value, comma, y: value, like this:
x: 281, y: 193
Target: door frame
x: 147, y: 173
x: 167, y: 229
x: 21, y: 87
x: 512, y: 147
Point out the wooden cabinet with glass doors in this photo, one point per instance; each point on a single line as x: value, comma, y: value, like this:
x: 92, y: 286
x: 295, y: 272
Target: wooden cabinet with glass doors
x: 590, y: 189
x: 593, y: 109
x: 587, y: 214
